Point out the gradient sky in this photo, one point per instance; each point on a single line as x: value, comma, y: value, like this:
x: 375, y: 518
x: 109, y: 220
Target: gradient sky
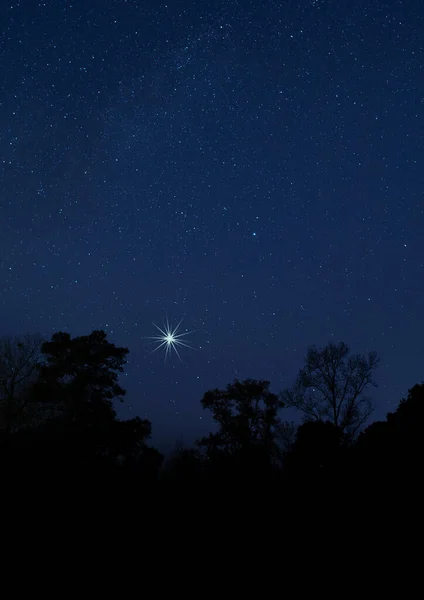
x: 253, y: 167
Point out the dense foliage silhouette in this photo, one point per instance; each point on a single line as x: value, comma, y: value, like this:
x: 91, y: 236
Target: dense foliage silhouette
x: 59, y: 424
x: 72, y: 428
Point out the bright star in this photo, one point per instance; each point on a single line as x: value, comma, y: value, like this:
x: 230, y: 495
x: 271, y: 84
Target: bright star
x: 170, y: 339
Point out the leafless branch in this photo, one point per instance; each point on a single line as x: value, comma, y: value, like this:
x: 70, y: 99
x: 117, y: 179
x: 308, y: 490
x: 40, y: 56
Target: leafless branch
x: 331, y: 386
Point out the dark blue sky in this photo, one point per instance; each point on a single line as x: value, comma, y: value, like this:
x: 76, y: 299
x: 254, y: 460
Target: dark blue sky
x: 254, y: 167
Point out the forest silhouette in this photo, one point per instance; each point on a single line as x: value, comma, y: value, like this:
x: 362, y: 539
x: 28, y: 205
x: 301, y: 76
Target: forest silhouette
x: 59, y: 428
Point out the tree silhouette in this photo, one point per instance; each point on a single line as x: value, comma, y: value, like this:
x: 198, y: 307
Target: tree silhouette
x: 316, y: 450
x: 392, y: 449
x: 331, y: 387
x: 79, y: 379
x: 408, y: 418
x: 246, y: 413
x: 77, y: 382
x: 20, y: 360
x: 126, y: 447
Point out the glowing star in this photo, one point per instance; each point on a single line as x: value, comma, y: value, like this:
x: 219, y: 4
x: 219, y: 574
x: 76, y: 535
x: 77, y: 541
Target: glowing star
x: 170, y: 339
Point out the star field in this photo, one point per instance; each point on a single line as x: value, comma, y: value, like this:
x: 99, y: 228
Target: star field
x: 254, y: 168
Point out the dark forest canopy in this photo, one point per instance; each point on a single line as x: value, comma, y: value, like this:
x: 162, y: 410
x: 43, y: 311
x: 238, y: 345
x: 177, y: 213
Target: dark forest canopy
x: 57, y: 416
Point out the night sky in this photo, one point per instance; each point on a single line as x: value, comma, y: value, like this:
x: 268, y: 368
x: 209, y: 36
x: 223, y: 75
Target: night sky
x: 253, y: 167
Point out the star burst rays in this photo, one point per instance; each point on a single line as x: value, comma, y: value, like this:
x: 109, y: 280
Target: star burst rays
x: 170, y: 339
